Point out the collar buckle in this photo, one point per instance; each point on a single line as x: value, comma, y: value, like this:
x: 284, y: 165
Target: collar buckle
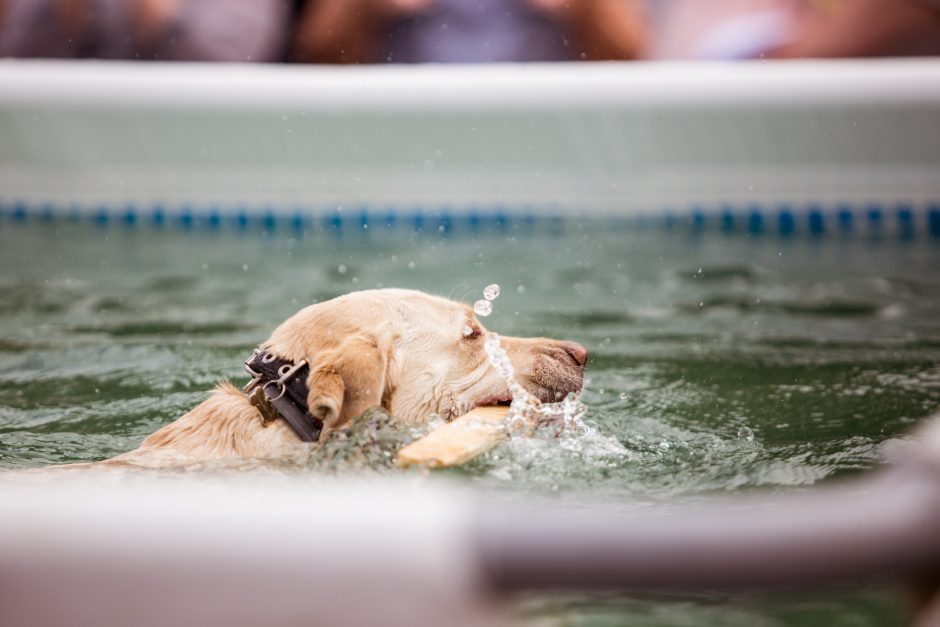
x: 278, y: 389
x: 259, y: 399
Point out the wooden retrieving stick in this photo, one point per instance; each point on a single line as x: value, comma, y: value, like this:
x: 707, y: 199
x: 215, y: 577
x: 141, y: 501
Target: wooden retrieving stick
x: 458, y: 441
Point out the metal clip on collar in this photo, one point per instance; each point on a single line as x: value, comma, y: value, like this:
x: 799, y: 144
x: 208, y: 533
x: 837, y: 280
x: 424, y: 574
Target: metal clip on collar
x: 277, y: 391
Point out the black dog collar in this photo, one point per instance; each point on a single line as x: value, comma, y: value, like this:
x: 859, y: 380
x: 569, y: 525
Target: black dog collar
x: 278, y: 388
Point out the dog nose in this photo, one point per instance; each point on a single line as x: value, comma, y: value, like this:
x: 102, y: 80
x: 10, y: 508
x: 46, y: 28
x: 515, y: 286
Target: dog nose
x: 577, y: 352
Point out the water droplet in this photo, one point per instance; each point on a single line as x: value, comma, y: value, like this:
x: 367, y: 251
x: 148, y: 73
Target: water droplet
x: 490, y: 292
x: 244, y: 267
x: 623, y: 396
x: 467, y: 331
x: 520, y: 289
x: 341, y: 268
x: 411, y: 265
x: 745, y: 433
x: 483, y: 308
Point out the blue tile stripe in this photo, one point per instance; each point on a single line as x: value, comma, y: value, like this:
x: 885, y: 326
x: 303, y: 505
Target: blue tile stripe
x: 444, y: 221
x: 902, y: 220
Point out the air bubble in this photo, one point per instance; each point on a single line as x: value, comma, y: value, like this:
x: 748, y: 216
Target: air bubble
x: 483, y: 308
x: 490, y: 292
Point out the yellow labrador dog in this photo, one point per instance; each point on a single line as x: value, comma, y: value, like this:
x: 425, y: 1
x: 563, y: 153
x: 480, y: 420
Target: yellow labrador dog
x: 413, y: 354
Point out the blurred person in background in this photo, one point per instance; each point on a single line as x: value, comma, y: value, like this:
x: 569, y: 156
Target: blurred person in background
x: 740, y: 29
x: 867, y: 28
x: 721, y: 29
x: 414, y: 31
x: 194, y: 30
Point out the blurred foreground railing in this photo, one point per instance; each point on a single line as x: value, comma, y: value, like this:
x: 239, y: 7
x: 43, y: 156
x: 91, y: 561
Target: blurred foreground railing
x: 88, y: 548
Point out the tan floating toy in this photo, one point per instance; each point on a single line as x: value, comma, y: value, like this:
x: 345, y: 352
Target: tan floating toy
x: 458, y: 441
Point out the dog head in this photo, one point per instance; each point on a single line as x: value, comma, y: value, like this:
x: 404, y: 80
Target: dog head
x: 415, y: 355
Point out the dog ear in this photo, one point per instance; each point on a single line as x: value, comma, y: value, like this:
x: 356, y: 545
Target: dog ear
x: 347, y: 381
x: 325, y: 396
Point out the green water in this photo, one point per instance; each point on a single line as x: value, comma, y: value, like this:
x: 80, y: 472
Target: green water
x: 717, y: 364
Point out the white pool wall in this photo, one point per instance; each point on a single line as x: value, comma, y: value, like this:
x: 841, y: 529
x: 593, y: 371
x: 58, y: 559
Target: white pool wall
x: 621, y: 139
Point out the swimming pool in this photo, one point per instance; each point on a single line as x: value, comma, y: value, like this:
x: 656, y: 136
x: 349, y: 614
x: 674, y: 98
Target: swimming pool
x: 718, y: 364
x: 774, y: 337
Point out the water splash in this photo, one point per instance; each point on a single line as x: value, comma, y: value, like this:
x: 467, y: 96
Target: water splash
x: 547, y: 436
x: 368, y: 444
x: 527, y: 414
x: 524, y: 409
x: 483, y: 308
x: 745, y: 433
x: 551, y: 437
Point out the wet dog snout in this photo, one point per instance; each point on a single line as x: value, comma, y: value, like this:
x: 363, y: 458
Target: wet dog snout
x: 577, y: 352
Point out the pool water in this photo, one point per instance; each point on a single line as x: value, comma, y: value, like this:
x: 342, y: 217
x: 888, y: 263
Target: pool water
x: 719, y: 363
